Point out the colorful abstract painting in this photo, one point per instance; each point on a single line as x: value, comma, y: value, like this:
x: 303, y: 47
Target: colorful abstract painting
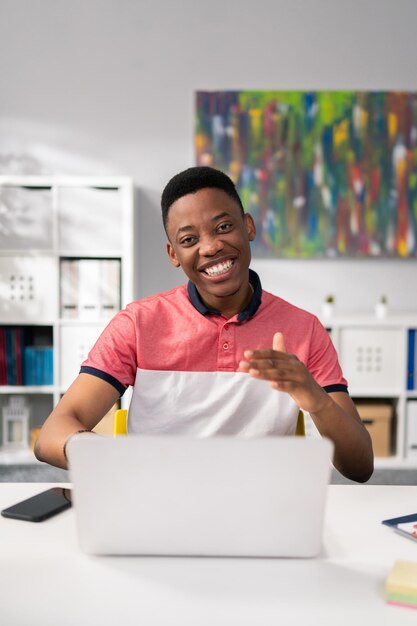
x: 324, y: 174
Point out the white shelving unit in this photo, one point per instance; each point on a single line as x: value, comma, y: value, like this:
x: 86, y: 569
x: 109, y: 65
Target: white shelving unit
x: 374, y: 356
x: 61, y: 239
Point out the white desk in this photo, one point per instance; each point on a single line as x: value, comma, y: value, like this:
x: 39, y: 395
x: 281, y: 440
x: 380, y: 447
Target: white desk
x: 46, y: 580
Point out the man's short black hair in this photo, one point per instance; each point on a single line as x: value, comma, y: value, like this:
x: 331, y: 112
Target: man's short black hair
x: 193, y: 179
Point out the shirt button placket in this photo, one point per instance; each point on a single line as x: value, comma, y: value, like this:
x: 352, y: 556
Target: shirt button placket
x: 225, y: 352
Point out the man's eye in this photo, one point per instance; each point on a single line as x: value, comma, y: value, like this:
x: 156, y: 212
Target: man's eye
x: 224, y: 227
x: 187, y: 241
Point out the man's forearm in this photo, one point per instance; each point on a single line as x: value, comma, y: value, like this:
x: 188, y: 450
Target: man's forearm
x: 353, y: 455
x: 50, y: 445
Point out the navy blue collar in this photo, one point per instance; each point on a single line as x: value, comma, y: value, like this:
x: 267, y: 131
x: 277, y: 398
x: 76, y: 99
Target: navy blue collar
x: 247, y: 312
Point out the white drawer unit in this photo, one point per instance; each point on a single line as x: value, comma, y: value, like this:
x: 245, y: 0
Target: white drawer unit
x: 26, y: 289
x: 373, y: 358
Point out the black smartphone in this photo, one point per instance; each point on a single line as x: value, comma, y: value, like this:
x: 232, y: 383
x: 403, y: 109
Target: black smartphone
x: 40, y: 507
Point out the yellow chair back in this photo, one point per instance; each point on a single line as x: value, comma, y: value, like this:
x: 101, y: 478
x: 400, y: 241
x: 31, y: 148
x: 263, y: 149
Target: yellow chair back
x: 300, y: 429
x: 120, y: 422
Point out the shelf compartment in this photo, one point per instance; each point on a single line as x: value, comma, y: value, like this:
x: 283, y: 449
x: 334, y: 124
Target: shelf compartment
x: 373, y: 358
x: 379, y: 418
x: 90, y: 288
x: 28, y: 289
x: 89, y: 218
x: 26, y: 356
x: 40, y: 406
x: 26, y: 217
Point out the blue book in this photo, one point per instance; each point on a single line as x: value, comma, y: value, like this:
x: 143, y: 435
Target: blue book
x: 43, y: 365
x: 3, y: 368
x: 28, y: 366
x: 38, y: 365
x: 411, y: 361
x: 49, y: 366
x: 9, y: 356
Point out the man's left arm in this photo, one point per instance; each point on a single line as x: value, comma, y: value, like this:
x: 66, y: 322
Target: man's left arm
x: 334, y: 413
x: 339, y: 420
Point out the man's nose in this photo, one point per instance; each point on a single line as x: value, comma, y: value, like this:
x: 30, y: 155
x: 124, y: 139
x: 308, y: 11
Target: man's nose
x: 210, y: 245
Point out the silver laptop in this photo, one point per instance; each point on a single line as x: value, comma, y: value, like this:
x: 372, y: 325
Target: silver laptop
x: 220, y: 496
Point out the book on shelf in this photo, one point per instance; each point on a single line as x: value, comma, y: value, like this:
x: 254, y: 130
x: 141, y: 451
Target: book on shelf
x: 411, y: 360
x: 10, y: 357
x: 90, y: 288
x: 69, y: 296
x: 3, y: 368
x: 412, y: 428
x: 38, y: 365
x: 11, y: 349
x: 21, y: 364
x: 109, y: 287
x: 89, y: 280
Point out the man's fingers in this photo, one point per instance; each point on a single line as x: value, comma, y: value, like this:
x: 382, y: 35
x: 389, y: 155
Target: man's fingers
x: 278, y: 342
x: 268, y: 364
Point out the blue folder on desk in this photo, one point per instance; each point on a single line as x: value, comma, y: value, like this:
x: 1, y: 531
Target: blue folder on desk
x: 405, y: 525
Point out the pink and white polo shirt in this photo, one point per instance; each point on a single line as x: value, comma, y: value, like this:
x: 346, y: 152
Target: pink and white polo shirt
x: 182, y: 361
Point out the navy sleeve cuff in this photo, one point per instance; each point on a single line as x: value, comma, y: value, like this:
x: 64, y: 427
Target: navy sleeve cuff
x: 85, y: 369
x: 338, y: 387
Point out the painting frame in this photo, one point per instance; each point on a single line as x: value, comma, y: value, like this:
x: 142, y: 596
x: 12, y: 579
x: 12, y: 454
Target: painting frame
x: 325, y: 174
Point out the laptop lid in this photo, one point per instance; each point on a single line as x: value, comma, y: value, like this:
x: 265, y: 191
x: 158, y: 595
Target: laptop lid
x: 220, y: 496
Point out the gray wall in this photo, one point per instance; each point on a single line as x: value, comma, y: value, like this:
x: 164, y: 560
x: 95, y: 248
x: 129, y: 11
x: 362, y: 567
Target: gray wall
x: 106, y: 87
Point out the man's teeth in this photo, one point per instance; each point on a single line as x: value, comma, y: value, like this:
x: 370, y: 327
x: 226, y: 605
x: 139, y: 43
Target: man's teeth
x: 221, y: 268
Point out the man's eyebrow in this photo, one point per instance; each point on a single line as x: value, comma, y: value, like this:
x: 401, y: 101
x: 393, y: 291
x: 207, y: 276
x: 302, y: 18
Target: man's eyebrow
x: 184, y: 229
x: 188, y: 227
x: 220, y: 216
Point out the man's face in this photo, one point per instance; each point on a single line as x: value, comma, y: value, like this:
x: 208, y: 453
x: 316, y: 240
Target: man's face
x: 209, y: 238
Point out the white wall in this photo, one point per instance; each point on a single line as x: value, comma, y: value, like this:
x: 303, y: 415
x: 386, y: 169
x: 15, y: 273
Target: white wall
x: 106, y: 87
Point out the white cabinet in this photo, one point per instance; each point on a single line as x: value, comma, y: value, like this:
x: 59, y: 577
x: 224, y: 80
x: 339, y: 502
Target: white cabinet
x: 66, y: 267
x: 376, y: 361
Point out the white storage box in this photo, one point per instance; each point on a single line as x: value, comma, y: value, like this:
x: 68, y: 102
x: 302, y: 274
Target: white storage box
x: 28, y: 289
x: 373, y: 359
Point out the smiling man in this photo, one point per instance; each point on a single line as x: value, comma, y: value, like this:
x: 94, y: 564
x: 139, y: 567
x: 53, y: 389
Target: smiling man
x: 218, y: 355
x: 209, y: 238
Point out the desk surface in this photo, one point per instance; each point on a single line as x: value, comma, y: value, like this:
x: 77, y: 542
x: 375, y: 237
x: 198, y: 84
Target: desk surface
x: 45, y: 579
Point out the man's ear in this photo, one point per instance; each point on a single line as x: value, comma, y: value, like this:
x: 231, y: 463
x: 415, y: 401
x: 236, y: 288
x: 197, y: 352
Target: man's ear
x: 250, y: 226
x: 172, y: 256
